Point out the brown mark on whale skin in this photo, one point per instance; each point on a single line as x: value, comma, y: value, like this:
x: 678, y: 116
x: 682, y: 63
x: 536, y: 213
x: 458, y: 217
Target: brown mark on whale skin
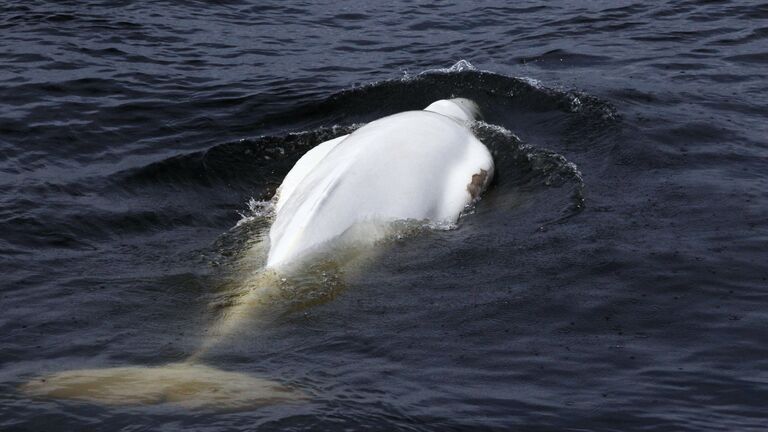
x: 476, y: 186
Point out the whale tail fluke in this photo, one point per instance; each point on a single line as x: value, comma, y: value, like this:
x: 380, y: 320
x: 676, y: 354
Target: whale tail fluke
x: 257, y: 300
x: 187, y: 385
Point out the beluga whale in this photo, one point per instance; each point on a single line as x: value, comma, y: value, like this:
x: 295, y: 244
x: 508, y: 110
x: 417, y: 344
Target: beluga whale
x: 414, y: 165
x: 351, y: 191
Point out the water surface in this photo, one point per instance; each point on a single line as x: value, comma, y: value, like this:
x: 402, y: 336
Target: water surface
x: 612, y: 278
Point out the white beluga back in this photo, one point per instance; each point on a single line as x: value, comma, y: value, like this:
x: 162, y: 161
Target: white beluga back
x: 415, y: 165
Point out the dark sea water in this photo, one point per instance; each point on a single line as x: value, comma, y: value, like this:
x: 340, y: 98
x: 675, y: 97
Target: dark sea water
x: 613, y: 278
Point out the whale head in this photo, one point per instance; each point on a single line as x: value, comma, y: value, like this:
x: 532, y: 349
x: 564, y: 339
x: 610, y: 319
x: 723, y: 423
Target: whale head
x: 459, y: 108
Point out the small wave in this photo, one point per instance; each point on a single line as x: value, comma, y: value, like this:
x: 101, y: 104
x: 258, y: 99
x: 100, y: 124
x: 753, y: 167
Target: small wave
x: 493, y: 128
x: 533, y: 82
x: 575, y: 101
x: 460, y: 66
x: 543, y: 167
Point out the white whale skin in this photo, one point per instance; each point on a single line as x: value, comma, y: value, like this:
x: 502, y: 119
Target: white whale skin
x: 422, y: 165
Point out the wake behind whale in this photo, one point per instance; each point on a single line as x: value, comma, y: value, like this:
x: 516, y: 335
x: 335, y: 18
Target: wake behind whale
x: 350, y: 192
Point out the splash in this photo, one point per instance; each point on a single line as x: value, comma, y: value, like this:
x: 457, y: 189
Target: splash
x: 257, y: 210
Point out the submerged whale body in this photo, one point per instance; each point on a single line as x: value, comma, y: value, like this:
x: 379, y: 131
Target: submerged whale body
x: 422, y: 165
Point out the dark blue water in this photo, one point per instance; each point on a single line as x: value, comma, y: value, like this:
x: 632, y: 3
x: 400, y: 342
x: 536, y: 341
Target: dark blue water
x: 613, y: 278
